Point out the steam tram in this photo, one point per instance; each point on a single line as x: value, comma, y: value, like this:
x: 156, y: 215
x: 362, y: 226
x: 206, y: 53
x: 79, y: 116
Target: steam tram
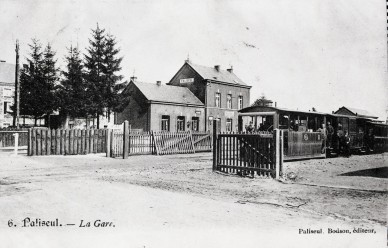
x: 303, y: 131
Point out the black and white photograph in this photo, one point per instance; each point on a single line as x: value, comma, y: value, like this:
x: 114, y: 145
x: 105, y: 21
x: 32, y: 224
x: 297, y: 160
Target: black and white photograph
x: 193, y: 123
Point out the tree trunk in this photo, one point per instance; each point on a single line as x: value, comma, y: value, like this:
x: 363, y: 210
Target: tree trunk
x: 36, y: 121
x: 98, y: 121
x: 66, y: 123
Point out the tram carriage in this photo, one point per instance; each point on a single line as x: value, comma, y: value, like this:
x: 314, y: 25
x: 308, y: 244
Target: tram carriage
x: 366, y: 135
x: 355, y: 127
x: 379, y: 136
x: 303, y: 137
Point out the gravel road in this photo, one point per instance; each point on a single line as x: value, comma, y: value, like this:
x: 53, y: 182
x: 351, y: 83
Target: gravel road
x: 177, y: 201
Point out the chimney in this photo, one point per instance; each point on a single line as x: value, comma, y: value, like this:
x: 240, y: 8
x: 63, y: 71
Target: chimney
x: 230, y: 69
x: 188, y: 59
x: 133, y: 78
x: 276, y: 104
x: 217, y: 67
x: 158, y: 83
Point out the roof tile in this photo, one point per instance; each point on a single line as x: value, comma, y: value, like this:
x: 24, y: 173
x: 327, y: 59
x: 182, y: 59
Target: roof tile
x: 220, y: 75
x: 361, y: 112
x: 167, y: 93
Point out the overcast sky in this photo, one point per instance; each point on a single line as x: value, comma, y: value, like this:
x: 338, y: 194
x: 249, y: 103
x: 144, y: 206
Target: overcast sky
x: 301, y: 53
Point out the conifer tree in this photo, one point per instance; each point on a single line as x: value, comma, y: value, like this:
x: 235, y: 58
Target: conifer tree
x: 95, y: 77
x: 50, y: 82
x: 72, y: 93
x: 29, y: 90
x: 38, y: 82
x: 112, y: 66
x: 102, y: 67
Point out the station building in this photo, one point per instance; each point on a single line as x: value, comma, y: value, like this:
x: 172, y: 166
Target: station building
x: 193, y: 98
x: 221, y: 92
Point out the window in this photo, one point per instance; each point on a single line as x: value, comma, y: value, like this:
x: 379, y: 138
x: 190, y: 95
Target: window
x: 352, y: 126
x: 7, y: 92
x: 165, y: 123
x: 7, y: 108
x: 218, y: 100
x: 343, y: 121
x: 229, y: 101
x: 229, y: 125
x: 180, y: 123
x: 218, y: 125
x: 195, y: 123
x: 240, y: 102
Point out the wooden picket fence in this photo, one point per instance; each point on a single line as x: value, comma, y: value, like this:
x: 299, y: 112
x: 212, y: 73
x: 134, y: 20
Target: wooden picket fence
x: 139, y: 143
x: 66, y: 141
x: 173, y: 142
x: 124, y: 142
x: 202, y: 141
x: 246, y: 154
x: 116, y: 142
x: 7, y: 138
x: 249, y: 154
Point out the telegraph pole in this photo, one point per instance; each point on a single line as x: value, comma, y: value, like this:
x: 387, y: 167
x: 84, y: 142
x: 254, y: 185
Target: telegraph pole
x: 17, y: 88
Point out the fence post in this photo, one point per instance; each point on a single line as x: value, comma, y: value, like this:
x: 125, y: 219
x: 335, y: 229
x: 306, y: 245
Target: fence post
x: 277, y: 153
x: 125, y: 139
x: 281, y: 150
x: 39, y: 142
x: 29, y: 148
x: 33, y: 142
x: 16, y: 135
x: 156, y: 147
x: 108, y: 131
x: 214, y: 145
x: 191, y: 139
x: 129, y: 139
x: 112, y: 142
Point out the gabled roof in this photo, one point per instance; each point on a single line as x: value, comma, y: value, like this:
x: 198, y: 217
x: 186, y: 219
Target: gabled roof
x: 358, y: 112
x: 167, y: 93
x: 7, y: 73
x: 211, y: 73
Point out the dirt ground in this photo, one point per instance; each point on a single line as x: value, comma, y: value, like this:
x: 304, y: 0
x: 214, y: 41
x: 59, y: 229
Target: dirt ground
x: 177, y: 201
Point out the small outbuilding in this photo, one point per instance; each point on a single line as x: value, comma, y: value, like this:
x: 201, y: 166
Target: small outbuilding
x: 355, y: 112
x: 157, y: 107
